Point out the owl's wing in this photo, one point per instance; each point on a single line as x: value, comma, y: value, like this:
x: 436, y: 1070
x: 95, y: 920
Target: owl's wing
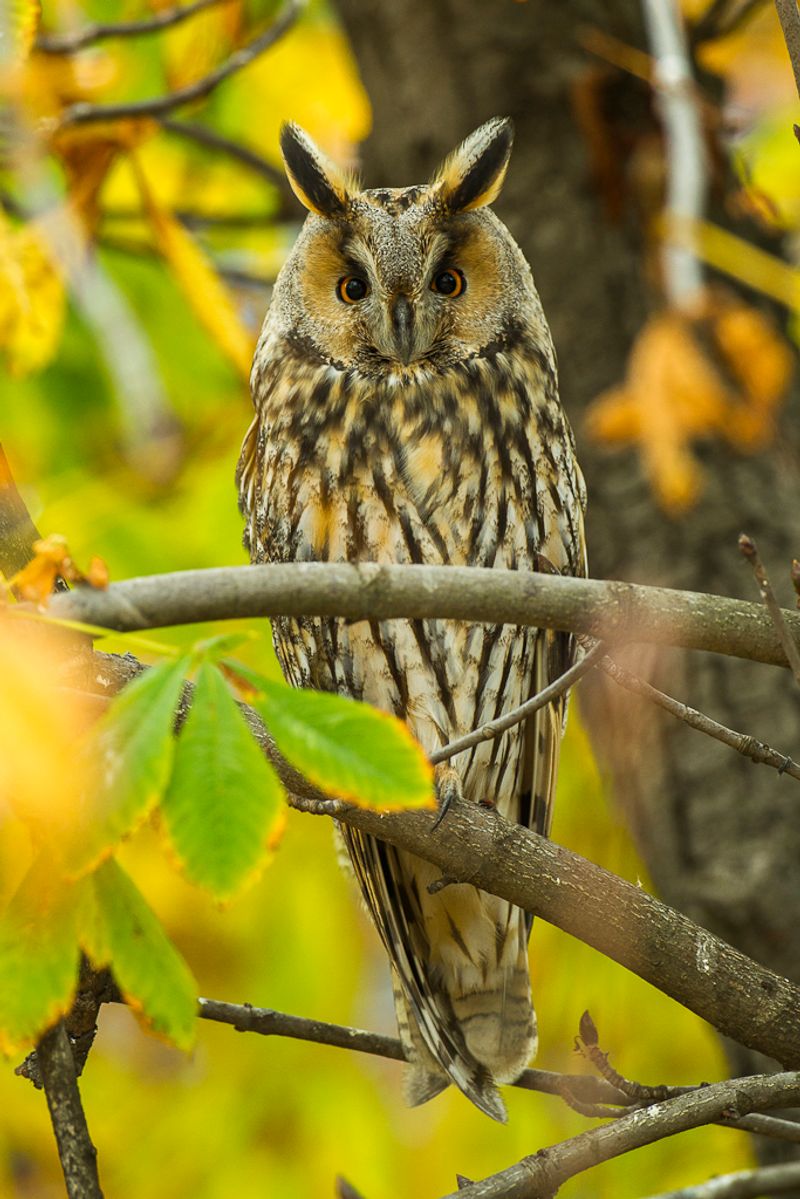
x: 389, y: 885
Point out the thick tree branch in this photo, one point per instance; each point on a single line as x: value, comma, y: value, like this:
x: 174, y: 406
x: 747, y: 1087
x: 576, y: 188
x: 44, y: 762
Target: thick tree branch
x: 544, y: 1172
x: 739, y: 997
x: 84, y: 113
x: 75, y: 1149
x: 604, y: 609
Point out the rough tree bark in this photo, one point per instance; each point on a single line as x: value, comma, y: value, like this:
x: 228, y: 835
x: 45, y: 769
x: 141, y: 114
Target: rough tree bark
x: 721, y: 842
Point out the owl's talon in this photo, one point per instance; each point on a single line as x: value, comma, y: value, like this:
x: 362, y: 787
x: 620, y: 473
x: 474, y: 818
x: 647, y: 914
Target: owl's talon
x: 448, y: 791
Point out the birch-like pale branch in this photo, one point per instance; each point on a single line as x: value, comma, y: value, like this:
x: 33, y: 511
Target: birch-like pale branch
x: 606, y: 609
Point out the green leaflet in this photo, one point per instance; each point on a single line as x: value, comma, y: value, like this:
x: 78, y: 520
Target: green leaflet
x: 148, y: 969
x: 128, y: 758
x: 223, y: 808
x: 38, y: 954
x: 348, y: 749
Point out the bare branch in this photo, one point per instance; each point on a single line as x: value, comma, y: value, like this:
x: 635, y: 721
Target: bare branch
x: 749, y: 551
x: 494, y: 728
x: 544, y: 1172
x: 75, y: 1149
x: 69, y: 43
x: 790, y: 24
x: 268, y: 1023
x: 607, y: 610
x: 744, y: 744
x: 83, y: 113
x: 744, y: 1184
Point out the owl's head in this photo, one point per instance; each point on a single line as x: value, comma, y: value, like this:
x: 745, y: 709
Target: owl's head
x: 402, y: 282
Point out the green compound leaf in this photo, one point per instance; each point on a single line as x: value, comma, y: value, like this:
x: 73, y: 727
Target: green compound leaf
x: 348, y: 749
x: 126, y: 935
x: 223, y: 809
x: 128, y: 761
x: 39, y: 955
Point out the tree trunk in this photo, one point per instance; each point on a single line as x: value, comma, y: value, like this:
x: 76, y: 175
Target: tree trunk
x: 721, y: 837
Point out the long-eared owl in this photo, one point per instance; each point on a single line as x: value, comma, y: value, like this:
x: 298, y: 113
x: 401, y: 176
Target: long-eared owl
x: 407, y: 411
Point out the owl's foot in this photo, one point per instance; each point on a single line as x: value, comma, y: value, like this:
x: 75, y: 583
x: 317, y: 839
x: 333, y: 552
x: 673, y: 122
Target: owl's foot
x: 448, y: 790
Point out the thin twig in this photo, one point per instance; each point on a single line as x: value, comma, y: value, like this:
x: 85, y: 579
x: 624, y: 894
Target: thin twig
x: 744, y: 1184
x: 685, y: 148
x: 75, y: 1149
x: 268, y: 1023
x: 68, y: 43
x: 789, y: 18
x: 743, y: 743
x: 749, y: 551
x: 82, y: 114
x: 547, y: 695
x: 209, y: 138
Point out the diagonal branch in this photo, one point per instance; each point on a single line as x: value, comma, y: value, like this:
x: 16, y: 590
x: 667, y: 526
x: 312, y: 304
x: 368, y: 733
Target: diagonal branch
x: 738, y: 996
x: 75, y: 1149
x: 743, y: 743
x: 544, y: 1172
x: 83, y: 113
x: 604, y: 609
x: 69, y: 43
x: 495, y: 728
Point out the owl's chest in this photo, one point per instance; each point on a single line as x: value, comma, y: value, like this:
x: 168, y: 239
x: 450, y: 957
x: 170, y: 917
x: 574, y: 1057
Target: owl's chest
x: 431, y: 484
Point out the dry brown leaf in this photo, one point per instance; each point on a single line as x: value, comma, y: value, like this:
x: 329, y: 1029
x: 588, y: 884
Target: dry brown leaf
x: 52, y: 560
x: 722, y: 373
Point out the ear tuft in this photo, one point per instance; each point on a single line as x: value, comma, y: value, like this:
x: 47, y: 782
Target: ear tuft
x: 316, y: 181
x: 473, y: 174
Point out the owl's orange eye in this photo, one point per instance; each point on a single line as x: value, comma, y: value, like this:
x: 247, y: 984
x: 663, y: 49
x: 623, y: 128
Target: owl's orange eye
x: 351, y: 289
x: 449, y: 283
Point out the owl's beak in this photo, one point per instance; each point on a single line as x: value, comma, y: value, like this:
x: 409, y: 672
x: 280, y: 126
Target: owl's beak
x: 402, y: 314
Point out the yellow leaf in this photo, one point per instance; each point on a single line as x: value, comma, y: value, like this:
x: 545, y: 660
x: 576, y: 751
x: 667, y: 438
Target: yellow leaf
x: 206, y: 293
x: 32, y: 298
